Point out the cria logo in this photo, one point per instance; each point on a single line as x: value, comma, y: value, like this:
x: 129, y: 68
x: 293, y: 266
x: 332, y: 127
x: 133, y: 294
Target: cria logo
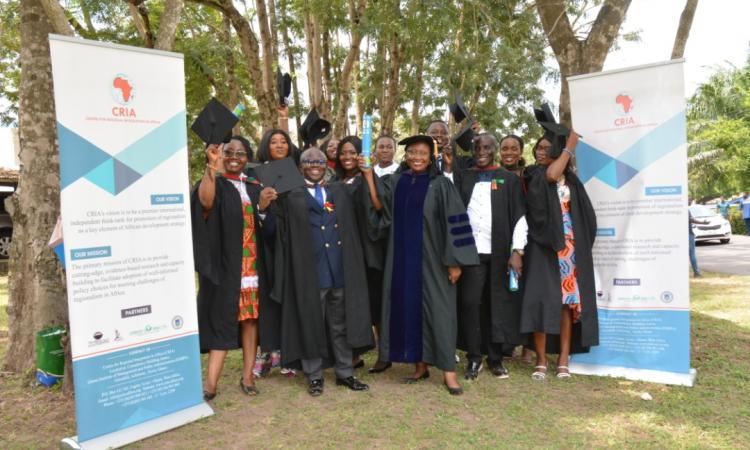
x: 623, y: 108
x: 122, y: 89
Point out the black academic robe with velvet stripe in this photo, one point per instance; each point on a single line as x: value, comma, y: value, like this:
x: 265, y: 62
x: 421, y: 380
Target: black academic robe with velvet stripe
x: 542, y: 298
x: 427, y: 228
x: 217, y: 250
x: 507, y: 203
x: 296, y: 288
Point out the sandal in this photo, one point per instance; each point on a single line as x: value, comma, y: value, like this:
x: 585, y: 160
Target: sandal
x: 538, y: 374
x: 563, y: 375
x: 249, y: 390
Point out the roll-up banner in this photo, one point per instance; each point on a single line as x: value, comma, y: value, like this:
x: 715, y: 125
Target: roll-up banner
x: 128, y: 249
x: 634, y: 166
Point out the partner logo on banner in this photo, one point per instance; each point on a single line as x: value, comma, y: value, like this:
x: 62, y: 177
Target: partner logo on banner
x: 123, y: 93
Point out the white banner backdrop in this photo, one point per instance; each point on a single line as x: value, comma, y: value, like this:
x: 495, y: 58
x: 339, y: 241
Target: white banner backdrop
x: 126, y: 227
x: 634, y: 166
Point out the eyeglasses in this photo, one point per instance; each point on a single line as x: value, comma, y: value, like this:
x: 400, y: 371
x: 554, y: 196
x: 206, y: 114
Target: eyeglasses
x: 237, y: 154
x: 313, y: 162
x: 411, y: 152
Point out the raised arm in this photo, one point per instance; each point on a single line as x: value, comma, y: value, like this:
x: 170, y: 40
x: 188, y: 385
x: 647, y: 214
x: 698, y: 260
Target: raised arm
x: 556, y: 169
x: 207, y: 188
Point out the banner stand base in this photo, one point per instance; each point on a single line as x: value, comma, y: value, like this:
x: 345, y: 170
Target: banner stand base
x: 140, y: 431
x: 653, y: 376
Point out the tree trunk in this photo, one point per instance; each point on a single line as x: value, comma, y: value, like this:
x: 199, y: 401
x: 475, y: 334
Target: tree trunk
x: 356, y: 11
x: 168, y: 22
x: 273, y: 21
x: 142, y: 23
x: 314, y: 74
x: 292, y: 67
x: 328, y: 88
x: 250, y: 48
x: 683, y: 31
x: 390, y: 106
x: 269, y: 83
x: 55, y: 15
x: 417, y: 100
x: 576, y: 56
x: 37, y: 296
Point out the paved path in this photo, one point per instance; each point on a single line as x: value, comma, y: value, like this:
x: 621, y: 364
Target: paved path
x: 733, y: 258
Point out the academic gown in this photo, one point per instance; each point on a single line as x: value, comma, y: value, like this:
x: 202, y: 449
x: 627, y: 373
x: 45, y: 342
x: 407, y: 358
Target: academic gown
x: 296, y: 285
x: 217, y: 249
x: 508, y: 207
x: 542, y: 298
x: 428, y: 230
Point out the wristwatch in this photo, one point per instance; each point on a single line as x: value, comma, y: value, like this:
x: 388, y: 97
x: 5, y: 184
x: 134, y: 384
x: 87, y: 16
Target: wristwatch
x: 519, y: 251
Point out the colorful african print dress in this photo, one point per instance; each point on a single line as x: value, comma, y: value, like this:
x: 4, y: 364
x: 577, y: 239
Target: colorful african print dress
x: 248, y: 304
x: 567, y: 256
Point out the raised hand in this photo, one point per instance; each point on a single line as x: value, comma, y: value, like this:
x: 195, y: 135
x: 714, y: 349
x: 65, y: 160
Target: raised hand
x: 214, y: 152
x: 267, y: 195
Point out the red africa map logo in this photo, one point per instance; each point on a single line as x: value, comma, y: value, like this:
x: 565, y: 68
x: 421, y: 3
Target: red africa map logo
x: 623, y: 107
x: 123, y: 92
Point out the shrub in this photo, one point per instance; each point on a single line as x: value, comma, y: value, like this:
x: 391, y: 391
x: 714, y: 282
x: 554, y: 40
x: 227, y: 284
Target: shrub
x: 735, y: 219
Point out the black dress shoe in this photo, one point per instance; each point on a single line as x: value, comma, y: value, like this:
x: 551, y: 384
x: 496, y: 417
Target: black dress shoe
x: 379, y: 367
x: 249, y: 390
x: 359, y: 364
x: 454, y: 391
x: 315, y: 388
x: 208, y: 396
x: 498, y: 369
x: 352, y: 383
x: 411, y: 380
x: 473, y: 369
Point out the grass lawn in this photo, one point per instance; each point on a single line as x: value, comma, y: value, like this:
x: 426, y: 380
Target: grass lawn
x: 515, y: 413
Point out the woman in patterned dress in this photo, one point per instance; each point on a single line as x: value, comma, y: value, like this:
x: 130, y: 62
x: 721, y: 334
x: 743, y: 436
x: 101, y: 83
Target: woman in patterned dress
x: 229, y: 224
x: 559, y: 296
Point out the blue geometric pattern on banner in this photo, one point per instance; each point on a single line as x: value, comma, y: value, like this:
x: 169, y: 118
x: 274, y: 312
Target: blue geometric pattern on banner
x: 616, y: 172
x: 103, y: 176
x: 80, y: 158
x: 77, y: 156
x: 155, y: 147
x: 124, y: 176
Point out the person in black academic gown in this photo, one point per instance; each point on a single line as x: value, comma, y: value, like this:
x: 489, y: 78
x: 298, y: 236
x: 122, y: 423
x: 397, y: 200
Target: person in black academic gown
x: 429, y: 239
x: 556, y: 300
x: 275, y: 144
x: 320, y: 279
x: 218, y: 237
x: 489, y: 313
x: 348, y: 159
x: 447, y: 160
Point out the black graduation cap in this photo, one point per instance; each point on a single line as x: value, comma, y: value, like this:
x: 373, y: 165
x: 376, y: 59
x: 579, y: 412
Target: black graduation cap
x: 283, y: 86
x: 214, y: 124
x: 313, y: 128
x: 459, y: 111
x: 554, y: 132
x: 411, y: 140
x: 465, y: 138
x: 281, y: 174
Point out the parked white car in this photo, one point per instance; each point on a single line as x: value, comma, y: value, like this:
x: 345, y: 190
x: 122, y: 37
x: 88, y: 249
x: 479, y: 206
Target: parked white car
x: 718, y: 228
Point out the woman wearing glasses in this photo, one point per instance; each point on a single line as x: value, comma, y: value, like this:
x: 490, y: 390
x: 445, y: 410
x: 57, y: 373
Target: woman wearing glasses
x: 429, y: 239
x: 229, y: 226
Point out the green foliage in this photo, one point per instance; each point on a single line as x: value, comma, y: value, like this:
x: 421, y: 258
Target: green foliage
x: 719, y: 134
x: 10, y: 70
x: 736, y: 221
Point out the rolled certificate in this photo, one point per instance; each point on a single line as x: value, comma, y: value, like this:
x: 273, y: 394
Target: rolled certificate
x: 366, y: 138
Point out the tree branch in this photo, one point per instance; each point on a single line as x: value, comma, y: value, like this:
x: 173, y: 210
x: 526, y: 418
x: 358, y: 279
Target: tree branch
x: 57, y: 17
x: 605, y: 30
x: 683, y: 31
x: 170, y: 18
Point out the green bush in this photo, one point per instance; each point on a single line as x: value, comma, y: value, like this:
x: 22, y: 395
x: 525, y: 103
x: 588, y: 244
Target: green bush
x: 735, y: 219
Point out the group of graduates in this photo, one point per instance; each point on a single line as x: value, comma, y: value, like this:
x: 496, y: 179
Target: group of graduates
x: 416, y: 258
